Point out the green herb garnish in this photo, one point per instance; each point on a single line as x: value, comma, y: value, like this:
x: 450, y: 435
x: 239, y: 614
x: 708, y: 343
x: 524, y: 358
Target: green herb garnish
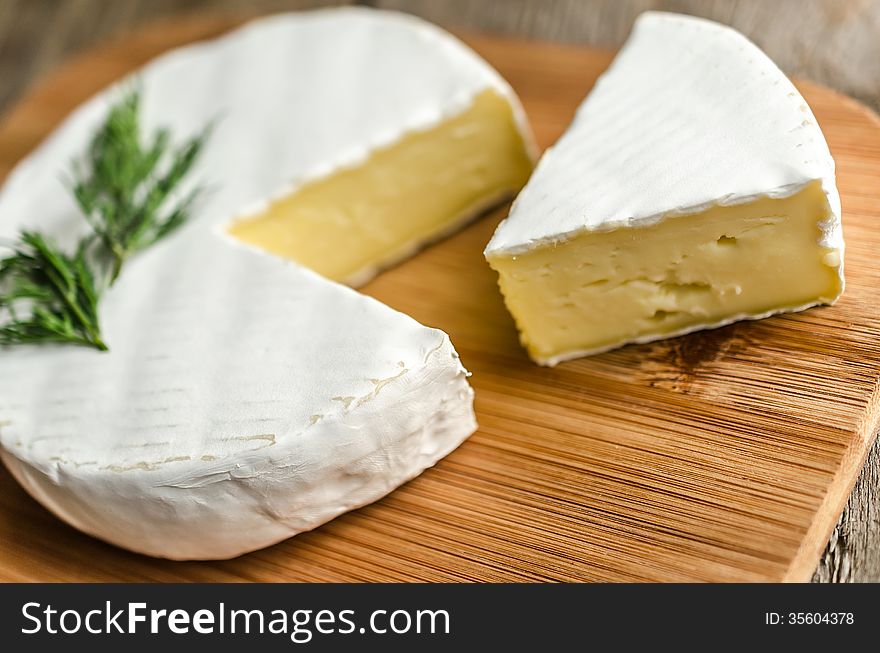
x: 122, y: 188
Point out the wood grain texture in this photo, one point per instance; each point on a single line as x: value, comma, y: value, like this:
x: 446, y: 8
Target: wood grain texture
x: 725, y: 455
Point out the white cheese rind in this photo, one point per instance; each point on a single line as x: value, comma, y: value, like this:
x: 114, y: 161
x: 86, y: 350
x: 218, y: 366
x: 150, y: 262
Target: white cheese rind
x: 244, y: 399
x: 690, y: 115
x: 259, y: 489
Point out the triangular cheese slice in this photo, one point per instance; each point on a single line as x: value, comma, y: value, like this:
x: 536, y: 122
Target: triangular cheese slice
x: 693, y: 188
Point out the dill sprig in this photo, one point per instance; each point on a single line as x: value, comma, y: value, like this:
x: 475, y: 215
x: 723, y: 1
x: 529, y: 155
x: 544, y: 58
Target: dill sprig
x: 122, y: 188
x: 58, y: 290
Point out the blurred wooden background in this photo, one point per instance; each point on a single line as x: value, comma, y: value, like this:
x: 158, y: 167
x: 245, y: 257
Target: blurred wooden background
x: 834, y: 42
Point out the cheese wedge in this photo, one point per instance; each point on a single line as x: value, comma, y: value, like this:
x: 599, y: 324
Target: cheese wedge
x: 246, y: 398
x: 694, y: 188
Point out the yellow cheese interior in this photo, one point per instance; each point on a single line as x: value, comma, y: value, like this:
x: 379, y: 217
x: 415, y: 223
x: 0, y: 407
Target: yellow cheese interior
x: 603, y: 289
x: 350, y: 224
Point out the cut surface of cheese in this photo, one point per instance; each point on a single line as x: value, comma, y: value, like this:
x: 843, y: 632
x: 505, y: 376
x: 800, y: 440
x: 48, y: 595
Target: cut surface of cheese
x: 602, y: 288
x: 693, y: 188
x: 351, y: 224
x: 244, y: 398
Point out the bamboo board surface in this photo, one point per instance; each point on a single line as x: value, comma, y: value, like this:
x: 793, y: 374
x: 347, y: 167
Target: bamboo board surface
x: 720, y: 456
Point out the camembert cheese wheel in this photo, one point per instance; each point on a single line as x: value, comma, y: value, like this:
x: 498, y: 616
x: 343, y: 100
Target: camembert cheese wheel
x: 246, y: 397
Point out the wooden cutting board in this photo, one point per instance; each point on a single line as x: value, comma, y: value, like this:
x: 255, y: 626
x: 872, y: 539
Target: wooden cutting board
x: 720, y: 456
